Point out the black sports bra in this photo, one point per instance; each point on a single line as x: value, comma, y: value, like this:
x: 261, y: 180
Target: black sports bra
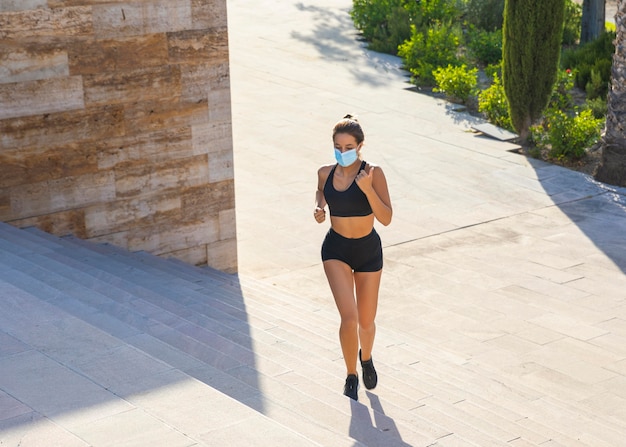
x: 348, y: 203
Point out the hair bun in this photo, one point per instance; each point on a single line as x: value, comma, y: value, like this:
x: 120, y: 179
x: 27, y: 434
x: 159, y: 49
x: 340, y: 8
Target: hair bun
x: 350, y: 125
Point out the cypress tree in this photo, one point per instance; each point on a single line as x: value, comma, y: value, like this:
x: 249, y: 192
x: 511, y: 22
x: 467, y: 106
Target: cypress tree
x: 531, y: 46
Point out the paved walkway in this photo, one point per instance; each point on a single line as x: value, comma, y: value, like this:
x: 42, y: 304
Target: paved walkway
x: 502, y: 315
x: 509, y: 264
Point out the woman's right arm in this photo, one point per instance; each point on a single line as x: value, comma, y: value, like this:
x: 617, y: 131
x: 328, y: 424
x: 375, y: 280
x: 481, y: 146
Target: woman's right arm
x: 320, y: 200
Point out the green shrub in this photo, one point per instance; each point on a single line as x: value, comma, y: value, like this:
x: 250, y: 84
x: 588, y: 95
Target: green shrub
x: 369, y: 16
x: 597, y: 106
x: 429, y: 49
x: 599, y: 78
x: 493, y: 70
x: 595, y: 55
x: 538, y: 137
x: 595, y: 85
x: 601, y: 48
x: 426, y: 13
x: 385, y: 24
x: 485, y: 46
x: 456, y: 82
x: 573, y: 22
x: 493, y: 103
x: 570, y: 137
x: 594, y: 78
x: 484, y: 14
x: 561, y: 98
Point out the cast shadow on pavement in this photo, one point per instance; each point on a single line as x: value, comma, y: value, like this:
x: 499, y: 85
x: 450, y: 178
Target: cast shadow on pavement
x: 597, y: 209
x: 86, y: 328
x: 333, y: 33
x: 381, y: 432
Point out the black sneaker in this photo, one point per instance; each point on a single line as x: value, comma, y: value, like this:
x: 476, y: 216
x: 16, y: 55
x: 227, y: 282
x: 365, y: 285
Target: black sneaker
x: 370, y: 378
x: 351, y: 387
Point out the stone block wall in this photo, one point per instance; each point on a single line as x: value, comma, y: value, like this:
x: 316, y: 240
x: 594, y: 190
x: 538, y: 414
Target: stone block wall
x: 115, y: 124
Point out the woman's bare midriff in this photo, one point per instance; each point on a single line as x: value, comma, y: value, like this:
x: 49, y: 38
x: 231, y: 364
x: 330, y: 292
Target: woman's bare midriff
x: 353, y: 227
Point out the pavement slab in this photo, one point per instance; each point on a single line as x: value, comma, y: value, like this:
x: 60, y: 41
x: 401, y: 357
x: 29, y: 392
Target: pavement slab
x: 502, y: 313
x: 512, y: 264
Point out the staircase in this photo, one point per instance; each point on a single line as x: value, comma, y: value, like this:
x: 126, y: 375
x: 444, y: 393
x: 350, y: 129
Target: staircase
x: 100, y: 346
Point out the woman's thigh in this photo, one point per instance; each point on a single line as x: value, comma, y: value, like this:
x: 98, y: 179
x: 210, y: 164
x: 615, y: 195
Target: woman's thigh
x: 367, y: 286
x: 341, y: 281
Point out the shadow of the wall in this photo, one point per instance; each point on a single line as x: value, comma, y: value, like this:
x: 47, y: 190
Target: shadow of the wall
x: 82, y: 333
x: 597, y: 209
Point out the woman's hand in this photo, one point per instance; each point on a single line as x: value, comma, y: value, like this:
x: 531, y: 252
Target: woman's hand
x: 374, y: 186
x: 319, y: 214
x: 364, y: 180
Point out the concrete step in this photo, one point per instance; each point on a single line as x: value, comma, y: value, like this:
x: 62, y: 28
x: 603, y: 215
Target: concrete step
x: 399, y: 386
x: 86, y: 305
x: 276, y: 352
x: 41, y: 274
x: 435, y: 376
x: 200, y: 276
x: 65, y: 382
x: 28, y: 241
x: 268, y: 367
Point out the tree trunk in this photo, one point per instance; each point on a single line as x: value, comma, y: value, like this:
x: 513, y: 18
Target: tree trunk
x: 593, y: 20
x: 613, y: 167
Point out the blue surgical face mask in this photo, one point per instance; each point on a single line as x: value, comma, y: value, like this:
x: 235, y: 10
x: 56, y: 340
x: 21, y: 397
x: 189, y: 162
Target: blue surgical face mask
x: 346, y: 158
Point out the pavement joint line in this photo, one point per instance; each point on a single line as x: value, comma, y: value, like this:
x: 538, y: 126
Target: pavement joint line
x: 465, y: 227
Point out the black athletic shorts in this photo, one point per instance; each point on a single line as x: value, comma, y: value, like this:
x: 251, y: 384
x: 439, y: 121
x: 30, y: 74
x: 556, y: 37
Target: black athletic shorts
x: 364, y: 254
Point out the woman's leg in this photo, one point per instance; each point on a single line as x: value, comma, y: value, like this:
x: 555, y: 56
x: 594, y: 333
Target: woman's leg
x: 367, y: 286
x: 341, y: 281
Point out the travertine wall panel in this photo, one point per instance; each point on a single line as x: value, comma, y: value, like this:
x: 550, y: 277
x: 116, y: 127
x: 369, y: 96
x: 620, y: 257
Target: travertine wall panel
x: 165, y: 240
x: 199, y: 201
x: 228, y: 229
x: 191, y: 255
x: 62, y: 222
x: 114, y: 55
x: 123, y: 215
x: 214, y: 137
x: 199, y: 46
x: 154, y: 115
x: 47, y: 23
x: 199, y: 81
x: 222, y: 251
x: 155, y: 83
x: 169, y: 239
x: 21, y: 5
x: 58, y: 128
x: 43, y: 96
x: 115, y: 124
x: 221, y: 166
x: 41, y: 163
x: 148, y: 148
x: 5, y: 202
x: 137, y: 178
x: 21, y: 66
x: 132, y: 18
x: 61, y: 194
x: 218, y: 110
x: 208, y: 14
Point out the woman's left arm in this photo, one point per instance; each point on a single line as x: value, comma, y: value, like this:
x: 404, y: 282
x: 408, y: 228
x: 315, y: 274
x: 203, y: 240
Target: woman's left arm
x: 374, y: 186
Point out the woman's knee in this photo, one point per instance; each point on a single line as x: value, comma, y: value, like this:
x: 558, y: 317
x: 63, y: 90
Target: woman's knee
x: 349, y: 322
x: 367, y: 324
